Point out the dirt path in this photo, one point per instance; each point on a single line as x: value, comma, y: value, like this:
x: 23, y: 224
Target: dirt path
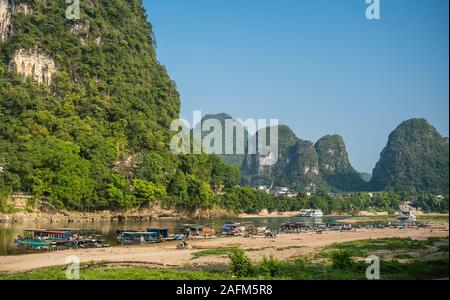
x: 285, y: 246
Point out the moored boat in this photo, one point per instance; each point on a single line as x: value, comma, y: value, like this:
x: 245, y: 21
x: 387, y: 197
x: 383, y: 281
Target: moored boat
x: 131, y: 238
x: 35, y: 244
x: 198, y: 231
x: 311, y: 213
x: 59, y: 239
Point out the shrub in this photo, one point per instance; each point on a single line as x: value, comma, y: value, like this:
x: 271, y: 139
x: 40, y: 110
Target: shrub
x: 342, y: 259
x: 269, y: 267
x: 241, y: 266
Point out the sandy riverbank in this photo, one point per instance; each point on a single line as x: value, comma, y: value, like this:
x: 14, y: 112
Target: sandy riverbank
x: 285, y: 246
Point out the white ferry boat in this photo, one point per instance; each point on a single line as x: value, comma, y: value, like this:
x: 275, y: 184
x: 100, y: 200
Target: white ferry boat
x: 311, y: 213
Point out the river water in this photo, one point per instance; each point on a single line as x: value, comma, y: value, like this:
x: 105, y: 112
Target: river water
x: 8, y: 232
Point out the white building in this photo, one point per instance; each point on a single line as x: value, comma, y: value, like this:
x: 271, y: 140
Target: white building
x: 264, y: 188
x: 281, y: 191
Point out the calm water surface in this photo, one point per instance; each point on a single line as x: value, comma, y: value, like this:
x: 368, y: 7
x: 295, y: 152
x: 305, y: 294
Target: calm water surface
x: 8, y: 232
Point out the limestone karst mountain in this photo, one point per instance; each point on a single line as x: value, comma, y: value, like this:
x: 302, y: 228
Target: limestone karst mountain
x: 297, y: 167
x: 86, y: 108
x: 237, y: 137
x: 335, y: 166
x: 416, y: 159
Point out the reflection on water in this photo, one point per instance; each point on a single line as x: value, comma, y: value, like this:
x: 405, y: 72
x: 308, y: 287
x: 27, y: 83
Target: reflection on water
x: 8, y: 232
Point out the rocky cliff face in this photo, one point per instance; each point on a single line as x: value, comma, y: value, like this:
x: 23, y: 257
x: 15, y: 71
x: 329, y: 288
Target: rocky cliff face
x: 335, y: 165
x: 303, y: 166
x: 297, y: 166
x: 6, y: 11
x: 333, y: 156
x: 31, y: 63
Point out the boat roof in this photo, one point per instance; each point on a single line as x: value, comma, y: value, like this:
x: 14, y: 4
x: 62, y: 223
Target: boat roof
x: 140, y: 233
x: 76, y: 229
x: 48, y: 231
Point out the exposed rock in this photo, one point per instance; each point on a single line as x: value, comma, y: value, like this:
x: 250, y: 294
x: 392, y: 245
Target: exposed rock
x: 138, y: 215
x: 19, y: 200
x: 6, y: 11
x: 80, y: 28
x: 23, y: 8
x: 31, y: 63
x: 98, y: 41
x: 314, y: 170
x: 126, y: 165
x: 297, y: 166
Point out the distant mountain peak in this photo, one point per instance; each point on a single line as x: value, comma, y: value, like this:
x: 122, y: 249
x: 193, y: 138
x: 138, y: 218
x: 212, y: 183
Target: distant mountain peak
x: 416, y: 159
x: 335, y: 165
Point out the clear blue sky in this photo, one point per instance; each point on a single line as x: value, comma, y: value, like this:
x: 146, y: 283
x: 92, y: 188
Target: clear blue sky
x: 318, y: 66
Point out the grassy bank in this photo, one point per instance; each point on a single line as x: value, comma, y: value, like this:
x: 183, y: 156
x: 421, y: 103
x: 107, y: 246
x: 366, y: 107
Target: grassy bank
x: 392, y: 218
x: 400, y: 259
x: 300, y: 269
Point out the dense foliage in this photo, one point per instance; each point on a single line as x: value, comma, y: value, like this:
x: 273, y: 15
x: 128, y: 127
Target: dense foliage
x: 416, y: 159
x: 335, y: 166
x: 253, y: 201
x: 97, y: 137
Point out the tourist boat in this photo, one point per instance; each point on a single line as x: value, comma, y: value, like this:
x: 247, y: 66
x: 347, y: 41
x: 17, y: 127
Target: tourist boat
x: 130, y: 238
x: 303, y: 213
x: 311, y: 213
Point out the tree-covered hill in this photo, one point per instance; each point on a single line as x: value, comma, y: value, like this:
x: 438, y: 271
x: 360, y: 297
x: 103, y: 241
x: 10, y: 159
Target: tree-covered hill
x: 85, y: 111
x: 297, y: 166
x: 416, y: 159
x: 335, y: 166
x: 236, y: 158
